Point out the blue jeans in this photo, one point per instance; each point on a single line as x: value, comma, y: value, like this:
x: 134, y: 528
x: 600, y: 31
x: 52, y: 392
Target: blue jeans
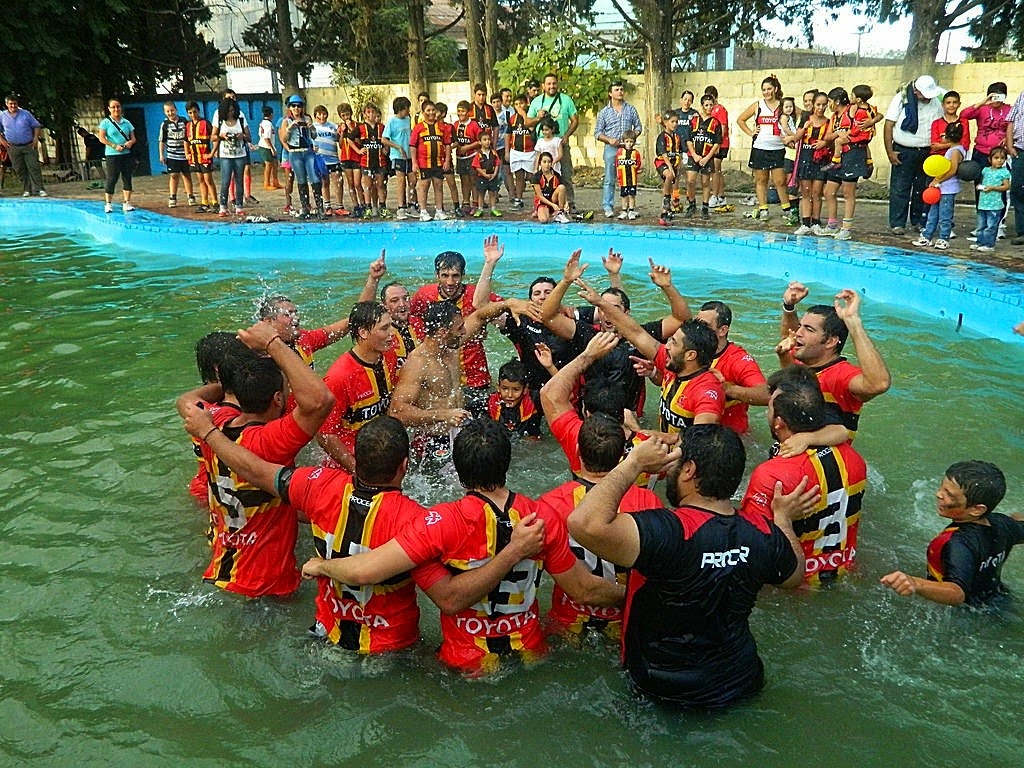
x: 988, y: 227
x: 906, y: 183
x: 940, y: 216
x: 232, y: 166
x: 1017, y: 191
x: 608, y: 199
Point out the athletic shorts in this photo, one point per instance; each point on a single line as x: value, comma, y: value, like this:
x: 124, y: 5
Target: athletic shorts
x: 692, y: 167
x: 766, y: 159
x: 521, y: 161
x: 177, y: 166
x: 627, y: 191
x: 334, y: 167
x: 808, y: 169
x: 722, y: 153
x: 464, y: 166
x: 489, y: 185
x: 538, y: 203
x: 400, y: 165
x: 208, y: 168
x: 266, y: 155
x: 853, y: 165
x: 431, y: 173
x: 661, y: 166
x: 349, y: 165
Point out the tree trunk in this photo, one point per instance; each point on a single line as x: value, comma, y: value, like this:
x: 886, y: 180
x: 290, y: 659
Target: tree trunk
x: 923, y: 45
x: 659, y: 49
x: 286, y: 45
x: 416, y: 48
x: 474, y: 42
x: 491, y: 44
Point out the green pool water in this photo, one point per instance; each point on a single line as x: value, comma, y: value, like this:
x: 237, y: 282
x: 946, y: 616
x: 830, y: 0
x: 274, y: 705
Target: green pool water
x: 114, y: 653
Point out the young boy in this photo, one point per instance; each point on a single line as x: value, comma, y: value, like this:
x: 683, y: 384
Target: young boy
x: 549, y: 199
x: 431, y: 155
x: 396, y: 137
x: 995, y: 182
x: 520, y: 149
x: 325, y: 140
x: 668, y: 147
x: 172, y: 154
x: 862, y: 117
x: 627, y: 168
x: 466, y: 134
x: 950, y: 114
x: 198, y: 134
x: 348, y: 157
x: 487, y: 165
x: 701, y: 151
x: 449, y: 169
x: 373, y: 163
x: 965, y: 561
x: 512, y: 405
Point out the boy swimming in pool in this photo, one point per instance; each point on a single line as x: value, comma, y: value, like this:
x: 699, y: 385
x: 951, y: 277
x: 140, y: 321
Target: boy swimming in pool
x: 965, y: 561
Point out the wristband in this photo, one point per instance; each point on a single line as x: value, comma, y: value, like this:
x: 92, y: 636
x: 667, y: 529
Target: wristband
x: 788, y: 308
x: 276, y: 336
x: 212, y: 430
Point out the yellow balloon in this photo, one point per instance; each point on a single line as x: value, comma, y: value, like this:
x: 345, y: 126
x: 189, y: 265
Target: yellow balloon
x: 936, y: 165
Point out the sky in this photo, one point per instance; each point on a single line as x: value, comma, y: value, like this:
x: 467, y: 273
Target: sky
x: 841, y: 35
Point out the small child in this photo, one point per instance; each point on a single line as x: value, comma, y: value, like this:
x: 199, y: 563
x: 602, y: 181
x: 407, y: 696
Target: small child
x: 995, y: 181
x: 669, y: 149
x: 521, y: 152
x: 627, y: 168
x: 373, y: 163
x: 325, y: 141
x: 512, y: 405
x: 787, y: 127
x: 863, y: 118
x: 965, y: 561
x: 549, y: 142
x: 431, y: 155
x: 449, y: 169
x: 173, y: 155
x: 549, y: 199
x: 396, y: 137
x: 348, y: 155
x: 267, y: 149
x: 702, y: 149
x: 466, y: 133
x: 940, y: 215
x: 487, y: 164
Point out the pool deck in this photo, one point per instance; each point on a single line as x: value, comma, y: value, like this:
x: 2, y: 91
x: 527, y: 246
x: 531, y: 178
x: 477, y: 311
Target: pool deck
x: 954, y: 286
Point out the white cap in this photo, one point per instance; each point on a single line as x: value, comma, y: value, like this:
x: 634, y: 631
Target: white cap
x: 927, y: 86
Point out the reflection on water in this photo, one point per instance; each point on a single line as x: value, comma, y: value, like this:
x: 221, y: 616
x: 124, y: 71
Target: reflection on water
x: 115, y: 653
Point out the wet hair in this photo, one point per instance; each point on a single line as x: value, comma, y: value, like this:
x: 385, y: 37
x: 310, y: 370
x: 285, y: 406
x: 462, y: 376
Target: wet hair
x: 620, y: 293
x: 718, y: 457
x: 800, y: 404
x: 981, y: 481
x: 723, y: 315
x: 210, y: 353
x: 255, y: 382
x: 400, y: 103
x: 384, y: 290
x: 774, y: 81
x: 862, y: 92
x: 364, y: 315
x: 236, y: 355
x: 464, y: 105
x: 548, y: 122
x: 832, y: 324
x: 702, y: 340
x: 538, y: 280
x: 482, y: 453
x: 608, y: 399
x: 949, y: 94
x: 790, y: 373
x: 438, y: 316
x: 954, y: 131
x: 270, y: 307
x: 382, y: 444
x: 996, y: 87
x: 450, y: 260
x: 839, y: 96
x: 513, y: 371
x: 601, y: 443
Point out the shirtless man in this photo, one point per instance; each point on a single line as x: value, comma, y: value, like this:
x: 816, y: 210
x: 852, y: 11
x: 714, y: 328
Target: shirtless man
x: 428, y: 395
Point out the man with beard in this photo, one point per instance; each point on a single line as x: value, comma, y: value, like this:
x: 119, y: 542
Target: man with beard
x: 817, y: 340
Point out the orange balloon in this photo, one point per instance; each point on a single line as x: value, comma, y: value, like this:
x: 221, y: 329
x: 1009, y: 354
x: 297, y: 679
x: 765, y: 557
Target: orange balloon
x: 931, y: 195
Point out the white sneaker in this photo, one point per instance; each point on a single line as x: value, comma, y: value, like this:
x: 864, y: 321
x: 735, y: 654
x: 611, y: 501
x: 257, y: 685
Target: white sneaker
x: 922, y: 242
x: 844, y: 234
x: 1001, y: 234
x: 424, y: 216
x: 108, y: 208
x: 42, y: 193
x: 608, y: 213
x: 762, y: 214
x: 713, y: 202
x: 803, y: 229
x: 985, y: 248
x: 622, y: 216
x: 440, y: 215
x: 562, y: 218
x: 632, y: 214
x: 26, y: 193
x: 127, y: 207
x: 942, y: 244
x: 401, y: 215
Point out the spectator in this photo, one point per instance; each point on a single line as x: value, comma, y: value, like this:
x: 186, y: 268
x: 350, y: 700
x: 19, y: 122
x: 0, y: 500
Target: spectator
x: 1015, y: 145
x: 19, y: 136
x: 616, y: 119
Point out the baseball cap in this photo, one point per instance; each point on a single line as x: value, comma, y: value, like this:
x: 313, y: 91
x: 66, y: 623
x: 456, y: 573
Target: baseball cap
x: 295, y: 99
x: 927, y: 87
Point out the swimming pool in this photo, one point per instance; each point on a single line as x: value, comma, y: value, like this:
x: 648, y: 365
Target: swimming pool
x: 115, y: 653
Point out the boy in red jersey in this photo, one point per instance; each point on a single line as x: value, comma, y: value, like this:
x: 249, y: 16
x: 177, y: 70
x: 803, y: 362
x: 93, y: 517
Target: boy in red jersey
x: 628, y: 165
x: 487, y: 165
x: 373, y: 163
x: 520, y: 148
x: 512, y: 405
x: 669, y: 152
x: 431, y: 156
x: 702, y: 151
x: 965, y: 561
x: 466, y: 140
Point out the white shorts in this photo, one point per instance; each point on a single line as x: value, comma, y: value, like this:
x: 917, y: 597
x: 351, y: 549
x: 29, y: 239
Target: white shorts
x: 521, y: 161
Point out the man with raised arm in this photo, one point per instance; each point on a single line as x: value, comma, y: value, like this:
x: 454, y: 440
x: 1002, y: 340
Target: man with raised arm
x: 696, y: 568
x: 616, y: 368
x: 361, y: 381
x: 350, y: 514
x: 816, y: 340
x: 828, y: 532
x: 254, y: 532
x: 281, y: 312
x: 690, y: 393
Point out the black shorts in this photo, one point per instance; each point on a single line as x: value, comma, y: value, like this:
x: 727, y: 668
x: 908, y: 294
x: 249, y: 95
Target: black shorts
x: 627, y: 191
x: 400, y: 165
x: 177, y: 166
x: 661, y: 166
x: 489, y: 185
x: 722, y: 153
x: 334, y: 167
x: 464, y: 166
x: 208, y: 168
x: 766, y: 159
x: 853, y: 164
x: 809, y: 170
x: 431, y: 173
x: 693, y: 167
x: 349, y: 165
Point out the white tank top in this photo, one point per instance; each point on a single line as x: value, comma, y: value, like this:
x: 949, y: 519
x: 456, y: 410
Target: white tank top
x: 768, y: 134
